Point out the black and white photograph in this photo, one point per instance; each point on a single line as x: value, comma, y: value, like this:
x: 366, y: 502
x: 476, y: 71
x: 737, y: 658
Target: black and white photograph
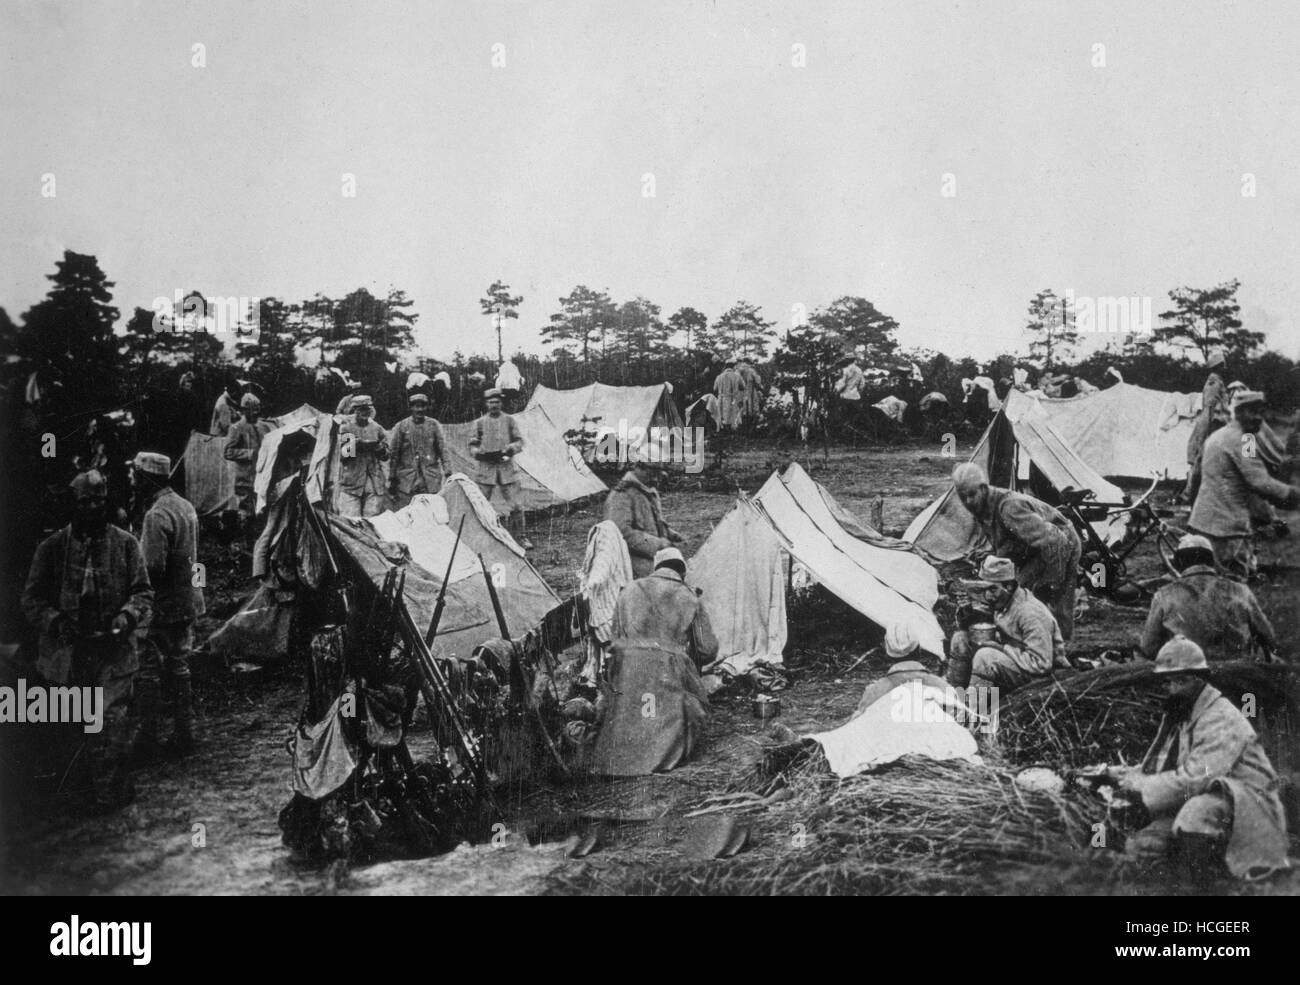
x: 652, y: 448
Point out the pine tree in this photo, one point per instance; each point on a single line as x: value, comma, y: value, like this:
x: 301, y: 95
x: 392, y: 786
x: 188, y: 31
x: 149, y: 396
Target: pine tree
x: 1204, y: 318
x: 503, y: 305
x: 744, y: 332
x: 1051, y: 329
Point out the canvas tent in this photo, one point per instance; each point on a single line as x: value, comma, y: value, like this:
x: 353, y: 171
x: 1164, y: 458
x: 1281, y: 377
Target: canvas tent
x: 1019, y: 450
x: 1125, y: 430
x: 740, y: 569
x: 209, y: 478
x: 627, y: 411
x: 419, y: 539
x: 552, y: 472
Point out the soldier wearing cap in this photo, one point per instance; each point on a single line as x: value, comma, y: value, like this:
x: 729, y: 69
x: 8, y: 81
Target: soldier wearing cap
x: 633, y: 505
x: 1206, y: 783
x: 1028, y: 643
x: 1232, y: 471
x: 662, y: 609
x: 170, y: 541
x: 242, y: 445
x: 346, y: 402
x: 418, y: 452
x: 89, y: 596
x: 363, y: 449
x: 225, y: 412
x: 497, y: 440
x: 1035, y: 536
x: 1219, y: 614
x: 1214, y: 414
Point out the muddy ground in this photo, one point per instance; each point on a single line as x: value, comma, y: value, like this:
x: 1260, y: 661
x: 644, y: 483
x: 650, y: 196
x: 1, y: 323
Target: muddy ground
x: 208, y: 825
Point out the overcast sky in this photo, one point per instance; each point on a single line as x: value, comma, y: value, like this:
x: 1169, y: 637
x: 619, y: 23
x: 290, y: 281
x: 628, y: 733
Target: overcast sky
x: 774, y: 183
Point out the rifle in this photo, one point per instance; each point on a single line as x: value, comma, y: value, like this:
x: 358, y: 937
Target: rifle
x: 442, y: 592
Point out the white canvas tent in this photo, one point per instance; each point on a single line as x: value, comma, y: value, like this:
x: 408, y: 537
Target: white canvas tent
x: 418, y: 538
x: 1127, y: 431
x: 740, y: 569
x: 553, y: 472
x: 1019, y: 450
x: 622, y: 410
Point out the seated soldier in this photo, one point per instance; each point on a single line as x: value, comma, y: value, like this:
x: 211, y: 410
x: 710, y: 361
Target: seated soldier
x: 1206, y: 783
x: 654, y: 705
x: 1219, y: 614
x: 1027, y: 643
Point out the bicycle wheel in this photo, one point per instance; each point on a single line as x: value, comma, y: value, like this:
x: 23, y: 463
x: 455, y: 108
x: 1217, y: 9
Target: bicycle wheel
x: 1167, y: 543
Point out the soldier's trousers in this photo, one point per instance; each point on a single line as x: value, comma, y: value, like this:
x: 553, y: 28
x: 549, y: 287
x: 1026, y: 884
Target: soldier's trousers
x: 165, y: 657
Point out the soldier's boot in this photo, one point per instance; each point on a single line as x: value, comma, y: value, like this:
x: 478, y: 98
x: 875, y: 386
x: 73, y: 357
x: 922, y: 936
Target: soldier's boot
x: 182, y: 743
x: 145, y: 747
x: 1201, y: 858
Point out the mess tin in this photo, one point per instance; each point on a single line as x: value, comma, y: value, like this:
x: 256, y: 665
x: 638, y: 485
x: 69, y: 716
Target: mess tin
x: 765, y: 706
x: 982, y: 633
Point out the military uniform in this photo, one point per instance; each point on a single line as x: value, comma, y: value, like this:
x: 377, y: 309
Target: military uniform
x: 1214, y: 414
x: 664, y: 610
x: 1207, y: 775
x: 1043, y: 545
x: 242, y: 445
x: 1230, y: 475
x: 362, y: 450
x: 170, y: 542
x: 75, y: 589
x: 636, y: 510
x: 1030, y: 645
x: 1221, y: 615
x: 495, y: 437
x: 418, y: 453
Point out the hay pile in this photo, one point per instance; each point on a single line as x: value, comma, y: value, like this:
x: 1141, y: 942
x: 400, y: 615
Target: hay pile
x: 1110, y: 714
x: 917, y: 826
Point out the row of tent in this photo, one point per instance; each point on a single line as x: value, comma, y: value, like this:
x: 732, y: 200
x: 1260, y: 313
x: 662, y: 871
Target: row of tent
x: 745, y: 566
x: 553, y: 472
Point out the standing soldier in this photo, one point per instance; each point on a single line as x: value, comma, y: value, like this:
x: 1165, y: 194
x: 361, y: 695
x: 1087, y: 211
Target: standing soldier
x: 88, y: 594
x: 1214, y: 414
x: 1232, y: 474
x: 496, y: 442
x: 242, y: 445
x: 170, y: 541
x: 419, y: 457
x: 225, y: 412
x: 730, y: 388
x: 363, y: 451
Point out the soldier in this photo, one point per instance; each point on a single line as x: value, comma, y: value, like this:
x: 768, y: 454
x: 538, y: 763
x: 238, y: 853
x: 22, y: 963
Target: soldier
x: 633, y: 506
x: 242, y: 445
x: 1206, y: 783
x: 1219, y: 614
x: 419, y: 454
x: 1232, y: 471
x: 1214, y: 414
x: 225, y: 412
x: 363, y: 448
x: 88, y: 594
x: 730, y: 388
x: 170, y: 541
x: 497, y: 440
x: 661, y: 608
x: 1036, y: 537
x: 1028, y: 643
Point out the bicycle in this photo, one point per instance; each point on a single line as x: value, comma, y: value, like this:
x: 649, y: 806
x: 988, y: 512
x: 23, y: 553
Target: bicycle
x: 1103, y: 565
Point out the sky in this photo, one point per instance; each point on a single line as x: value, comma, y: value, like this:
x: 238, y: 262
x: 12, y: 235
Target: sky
x: 799, y: 152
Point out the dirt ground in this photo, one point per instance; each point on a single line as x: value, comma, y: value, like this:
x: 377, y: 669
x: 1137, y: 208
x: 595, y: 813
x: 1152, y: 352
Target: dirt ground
x: 209, y: 825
